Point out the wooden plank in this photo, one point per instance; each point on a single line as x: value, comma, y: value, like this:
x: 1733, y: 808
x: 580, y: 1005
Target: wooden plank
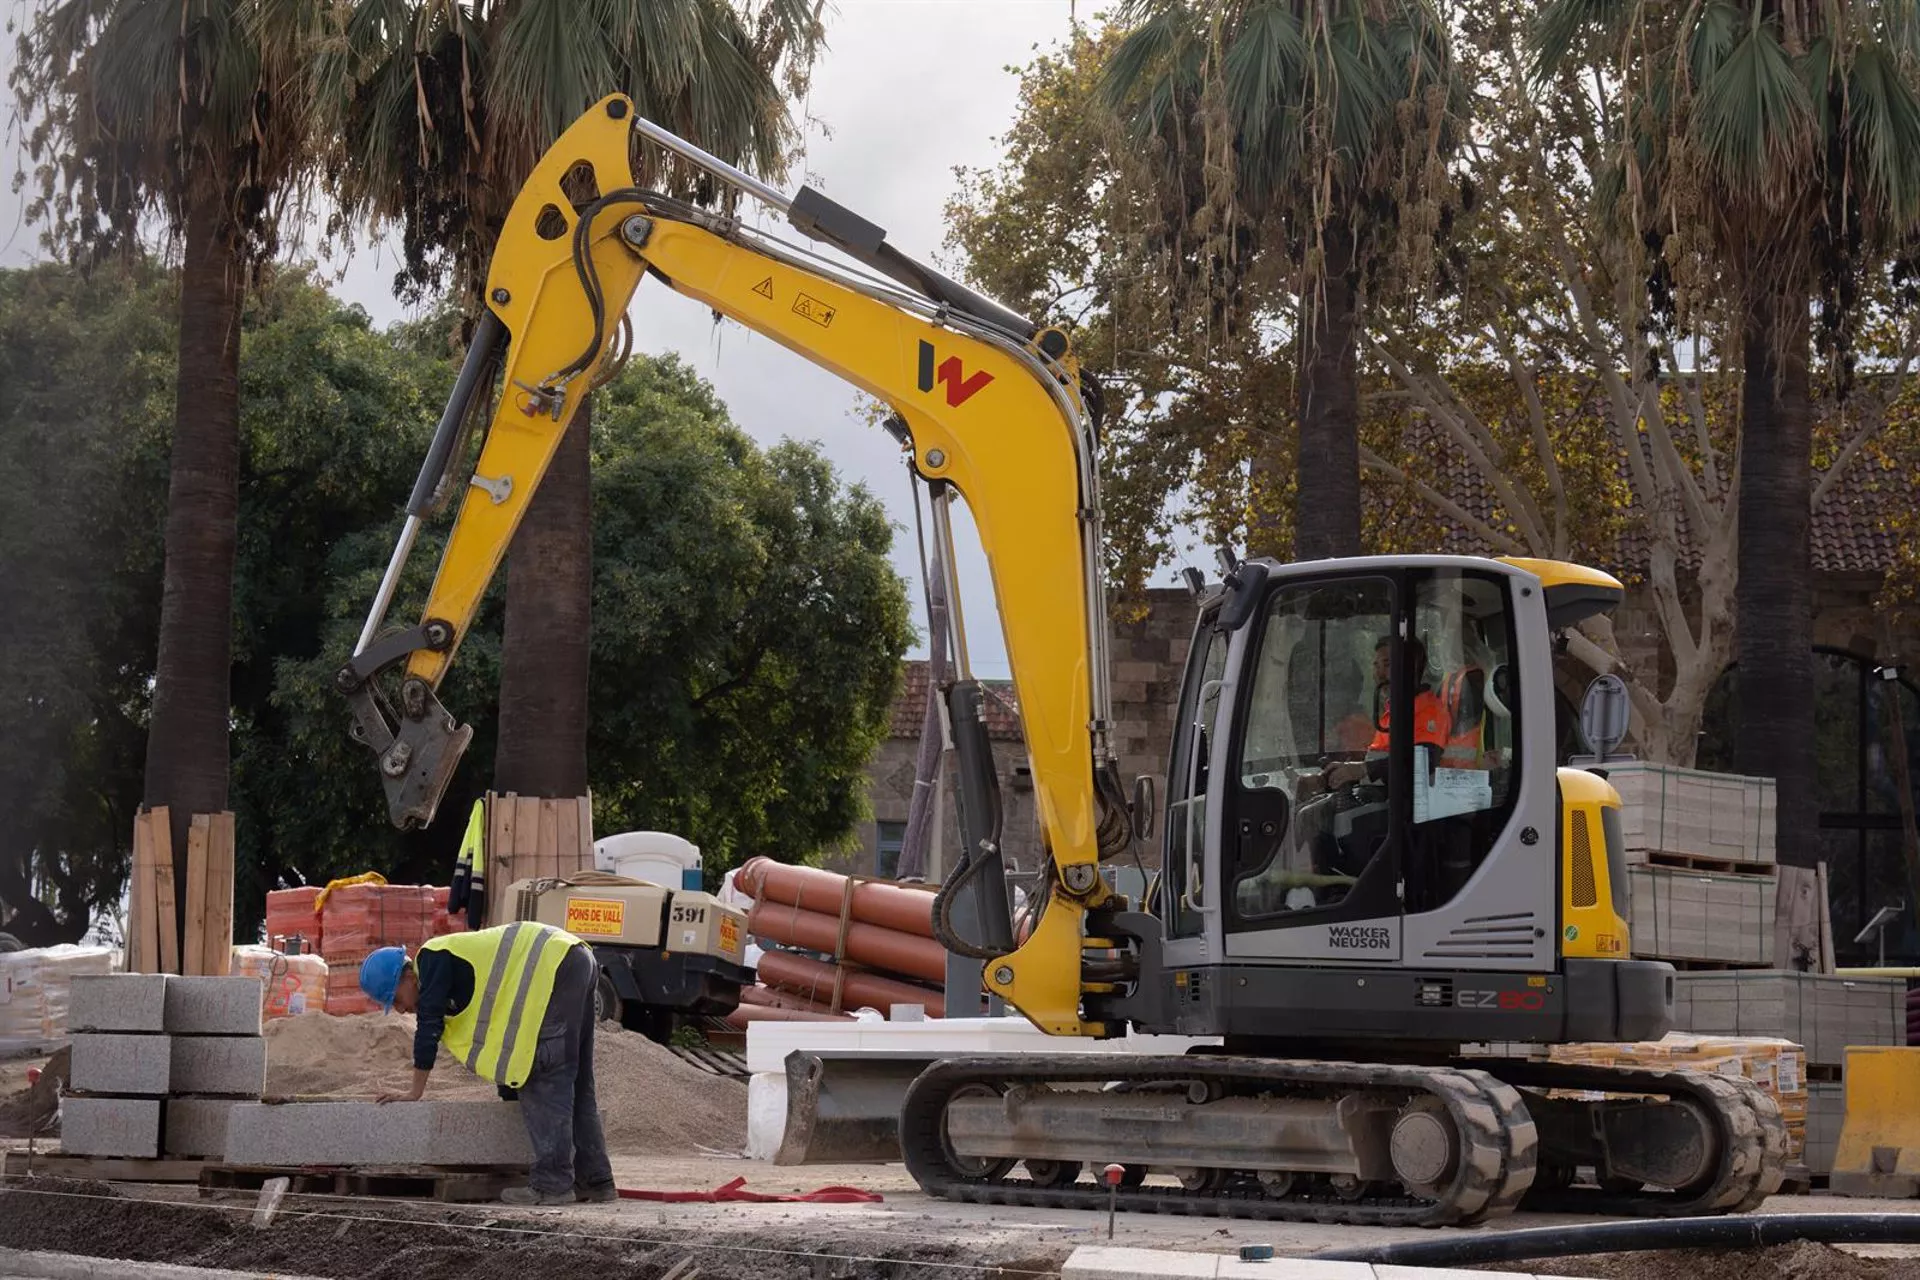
x: 217, y: 958
x: 526, y: 838
x: 1824, y: 906
x: 586, y: 825
x: 199, y: 837
x: 1796, y: 921
x: 105, y: 1168
x: 501, y: 864
x: 140, y: 896
x: 166, y: 916
x: 550, y: 838
x: 566, y: 815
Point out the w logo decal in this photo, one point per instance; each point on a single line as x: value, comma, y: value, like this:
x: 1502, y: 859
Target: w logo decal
x: 960, y: 387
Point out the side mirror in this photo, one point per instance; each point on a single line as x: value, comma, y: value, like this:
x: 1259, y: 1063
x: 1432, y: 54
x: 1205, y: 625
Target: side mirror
x: 1146, y: 805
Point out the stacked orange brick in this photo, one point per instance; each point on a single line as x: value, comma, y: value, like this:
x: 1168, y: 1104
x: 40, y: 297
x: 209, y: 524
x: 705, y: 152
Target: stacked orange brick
x: 359, y: 918
x: 290, y: 912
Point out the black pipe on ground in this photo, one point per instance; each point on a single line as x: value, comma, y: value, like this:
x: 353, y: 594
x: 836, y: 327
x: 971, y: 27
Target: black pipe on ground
x: 1745, y: 1231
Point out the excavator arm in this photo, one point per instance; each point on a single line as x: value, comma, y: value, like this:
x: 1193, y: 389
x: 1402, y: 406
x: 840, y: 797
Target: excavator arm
x: 989, y: 405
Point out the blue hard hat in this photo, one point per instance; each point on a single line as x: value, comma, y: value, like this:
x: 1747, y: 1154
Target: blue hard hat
x: 380, y: 974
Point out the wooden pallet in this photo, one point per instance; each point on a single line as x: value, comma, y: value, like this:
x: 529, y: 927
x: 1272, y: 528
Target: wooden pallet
x: 1685, y: 965
x: 102, y: 1168
x: 718, y: 1062
x: 1693, y: 862
x: 410, y: 1182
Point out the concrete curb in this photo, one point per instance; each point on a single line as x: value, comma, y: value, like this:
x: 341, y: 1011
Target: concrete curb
x: 1107, y: 1262
x: 72, y: 1266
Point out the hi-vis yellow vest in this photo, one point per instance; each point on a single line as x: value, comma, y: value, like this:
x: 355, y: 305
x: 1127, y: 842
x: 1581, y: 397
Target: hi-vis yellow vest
x: 513, y: 968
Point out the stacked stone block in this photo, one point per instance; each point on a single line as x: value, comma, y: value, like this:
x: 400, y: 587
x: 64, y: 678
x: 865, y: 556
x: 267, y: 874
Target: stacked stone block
x: 158, y: 1061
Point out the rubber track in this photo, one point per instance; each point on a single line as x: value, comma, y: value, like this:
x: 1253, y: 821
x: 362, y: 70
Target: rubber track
x: 1496, y: 1165
x: 1753, y: 1140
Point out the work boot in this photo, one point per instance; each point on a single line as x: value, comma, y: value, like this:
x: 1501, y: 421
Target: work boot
x: 529, y: 1196
x: 597, y: 1195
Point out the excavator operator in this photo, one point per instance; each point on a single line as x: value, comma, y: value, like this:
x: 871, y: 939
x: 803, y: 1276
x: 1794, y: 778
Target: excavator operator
x: 1356, y: 789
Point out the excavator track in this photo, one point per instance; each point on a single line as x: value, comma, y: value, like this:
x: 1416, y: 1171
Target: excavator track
x: 1490, y: 1168
x: 1751, y: 1138
x: 1497, y: 1145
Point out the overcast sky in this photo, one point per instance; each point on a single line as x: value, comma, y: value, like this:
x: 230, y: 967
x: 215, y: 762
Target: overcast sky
x: 907, y: 90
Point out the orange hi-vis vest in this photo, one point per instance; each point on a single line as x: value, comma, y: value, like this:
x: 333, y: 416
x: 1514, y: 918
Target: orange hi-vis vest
x: 1431, y: 724
x: 1466, y: 739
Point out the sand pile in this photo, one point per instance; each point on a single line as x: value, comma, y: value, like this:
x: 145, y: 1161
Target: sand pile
x: 651, y: 1102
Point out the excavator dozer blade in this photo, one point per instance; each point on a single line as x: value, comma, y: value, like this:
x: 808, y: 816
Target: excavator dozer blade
x: 845, y: 1109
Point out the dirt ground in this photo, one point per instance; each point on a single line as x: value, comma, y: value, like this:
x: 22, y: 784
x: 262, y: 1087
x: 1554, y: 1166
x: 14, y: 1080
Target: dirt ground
x: 904, y: 1234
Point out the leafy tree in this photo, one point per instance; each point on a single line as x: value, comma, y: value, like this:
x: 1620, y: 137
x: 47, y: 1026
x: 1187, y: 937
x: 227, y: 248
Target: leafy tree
x: 1765, y: 154
x: 1299, y: 147
x: 146, y: 111
x: 1497, y: 411
x: 747, y: 641
x: 88, y: 365
x: 439, y: 113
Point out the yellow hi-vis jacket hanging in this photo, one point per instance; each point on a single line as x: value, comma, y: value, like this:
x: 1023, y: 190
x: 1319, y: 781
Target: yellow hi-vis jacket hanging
x: 513, y: 968
x: 469, y: 887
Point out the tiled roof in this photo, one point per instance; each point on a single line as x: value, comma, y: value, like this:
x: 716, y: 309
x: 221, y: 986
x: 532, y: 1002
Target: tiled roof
x: 910, y: 708
x: 1851, y: 529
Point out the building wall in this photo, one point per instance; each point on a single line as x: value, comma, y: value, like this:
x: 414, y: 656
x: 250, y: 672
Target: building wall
x: 890, y: 796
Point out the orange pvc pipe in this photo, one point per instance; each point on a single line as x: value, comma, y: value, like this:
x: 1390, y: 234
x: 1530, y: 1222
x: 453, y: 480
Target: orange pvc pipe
x: 814, y: 978
x: 768, y: 998
x: 891, y: 906
x: 867, y: 944
x: 746, y: 1013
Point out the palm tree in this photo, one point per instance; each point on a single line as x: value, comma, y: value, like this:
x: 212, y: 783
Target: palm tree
x: 146, y: 114
x: 1769, y: 152
x: 440, y: 111
x: 1309, y: 132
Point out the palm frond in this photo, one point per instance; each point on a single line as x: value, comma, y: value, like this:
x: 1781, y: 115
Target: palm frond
x: 1884, y: 128
x: 1751, y: 118
x: 1562, y: 25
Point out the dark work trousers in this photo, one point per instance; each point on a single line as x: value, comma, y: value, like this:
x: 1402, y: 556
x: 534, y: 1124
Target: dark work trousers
x: 557, y: 1102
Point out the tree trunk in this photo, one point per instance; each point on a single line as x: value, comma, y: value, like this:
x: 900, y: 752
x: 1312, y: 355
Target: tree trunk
x: 187, y: 750
x: 1327, y: 501
x: 1773, y: 594
x: 544, y: 652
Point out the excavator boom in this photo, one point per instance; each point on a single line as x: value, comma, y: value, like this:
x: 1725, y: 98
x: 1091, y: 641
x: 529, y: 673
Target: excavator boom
x: 991, y: 406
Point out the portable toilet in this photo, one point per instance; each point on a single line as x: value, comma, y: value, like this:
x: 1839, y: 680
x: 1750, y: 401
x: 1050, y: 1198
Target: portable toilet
x: 656, y: 857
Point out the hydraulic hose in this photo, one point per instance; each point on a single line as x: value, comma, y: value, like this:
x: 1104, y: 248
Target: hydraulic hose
x: 1741, y: 1231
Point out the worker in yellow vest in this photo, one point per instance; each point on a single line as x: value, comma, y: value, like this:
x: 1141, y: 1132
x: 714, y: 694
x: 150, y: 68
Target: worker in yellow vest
x: 515, y: 1005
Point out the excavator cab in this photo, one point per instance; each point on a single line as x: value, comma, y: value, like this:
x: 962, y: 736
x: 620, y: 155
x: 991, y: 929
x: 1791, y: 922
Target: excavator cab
x: 1342, y: 860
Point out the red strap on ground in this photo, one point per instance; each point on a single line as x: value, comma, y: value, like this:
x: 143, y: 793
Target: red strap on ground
x: 736, y: 1192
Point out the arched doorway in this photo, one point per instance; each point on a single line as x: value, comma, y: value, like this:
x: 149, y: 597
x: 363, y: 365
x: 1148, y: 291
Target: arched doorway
x: 1855, y: 784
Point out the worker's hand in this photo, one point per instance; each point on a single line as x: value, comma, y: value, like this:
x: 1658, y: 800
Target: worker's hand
x: 414, y: 1094
x: 1346, y: 773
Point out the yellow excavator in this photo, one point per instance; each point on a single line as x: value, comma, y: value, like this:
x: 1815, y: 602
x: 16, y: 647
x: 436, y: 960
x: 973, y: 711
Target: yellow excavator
x: 1370, y: 858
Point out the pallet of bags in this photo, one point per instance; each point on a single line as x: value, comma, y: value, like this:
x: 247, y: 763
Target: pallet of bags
x: 34, y: 987
x: 291, y: 985
x: 1778, y: 1066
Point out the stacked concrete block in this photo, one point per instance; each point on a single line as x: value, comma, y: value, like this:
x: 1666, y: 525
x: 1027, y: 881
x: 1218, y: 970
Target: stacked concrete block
x: 118, y: 1002
x: 121, y: 1067
x: 158, y: 1061
x: 1679, y: 914
x: 213, y: 1006
x: 123, y: 1064
x: 368, y: 1134
x: 1693, y: 813
x: 196, y: 1128
x: 122, y: 1127
x: 219, y: 1066
x: 1826, y: 1108
x: 1823, y: 1013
